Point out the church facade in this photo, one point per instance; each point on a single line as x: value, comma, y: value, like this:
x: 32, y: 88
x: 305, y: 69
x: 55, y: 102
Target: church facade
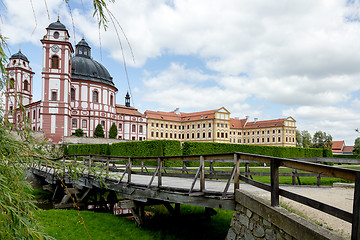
x: 77, y: 92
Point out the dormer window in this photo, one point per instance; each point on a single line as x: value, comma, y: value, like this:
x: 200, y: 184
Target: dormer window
x: 55, y: 62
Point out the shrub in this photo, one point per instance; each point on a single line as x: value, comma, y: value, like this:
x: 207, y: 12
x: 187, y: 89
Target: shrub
x: 99, y: 131
x: 79, y: 132
x: 113, y: 131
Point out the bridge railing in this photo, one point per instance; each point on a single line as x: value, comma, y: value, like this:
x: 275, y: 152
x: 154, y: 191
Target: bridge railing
x: 156, y: 167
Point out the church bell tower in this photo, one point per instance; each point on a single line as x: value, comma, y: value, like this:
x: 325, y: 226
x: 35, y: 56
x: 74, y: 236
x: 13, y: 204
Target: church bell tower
x: 56, y: 81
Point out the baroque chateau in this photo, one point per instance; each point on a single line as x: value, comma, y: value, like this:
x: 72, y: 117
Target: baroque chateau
x: 79, y: 93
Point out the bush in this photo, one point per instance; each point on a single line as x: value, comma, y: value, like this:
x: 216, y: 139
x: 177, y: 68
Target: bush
x: 113, y: 131
x: 99, y: 149
x: 99, y: 131
x: 79, y: 132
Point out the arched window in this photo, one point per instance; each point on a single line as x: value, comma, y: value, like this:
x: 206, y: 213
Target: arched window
x: 95, y: 96
x: 111, y: 100
x: 72, y: 94
x: 140, y: 129
x: 55, y: 62
x: 26, y: 85
x: 133, y: 128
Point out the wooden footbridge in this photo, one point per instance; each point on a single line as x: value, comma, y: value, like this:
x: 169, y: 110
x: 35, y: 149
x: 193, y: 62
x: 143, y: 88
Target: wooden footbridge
x: 141, y: 181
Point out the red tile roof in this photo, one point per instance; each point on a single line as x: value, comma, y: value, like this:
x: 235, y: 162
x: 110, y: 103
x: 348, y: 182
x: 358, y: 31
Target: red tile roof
x: 348, y: 149
x: 338, y: 145
x: 180, y: 116
x: 240, y: 123
x: 121, y: 109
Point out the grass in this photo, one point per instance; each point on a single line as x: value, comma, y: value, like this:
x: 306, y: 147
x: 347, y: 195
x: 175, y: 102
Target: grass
x: 191, y: 224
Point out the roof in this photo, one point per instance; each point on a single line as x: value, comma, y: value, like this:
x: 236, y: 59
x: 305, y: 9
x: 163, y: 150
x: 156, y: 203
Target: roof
x: 19, y: 55
x: 240, y: 123
x: 338, y: 145
x: 57, y: 26
x: 348, y: 149
x: 121, y: 109
x: 180, y: 116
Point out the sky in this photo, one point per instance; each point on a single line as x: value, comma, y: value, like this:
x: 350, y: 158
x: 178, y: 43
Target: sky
x: 262, y: 59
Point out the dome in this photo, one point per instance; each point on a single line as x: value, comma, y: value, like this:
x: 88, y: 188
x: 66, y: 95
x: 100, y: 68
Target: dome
x: 85, y: 68
x: 19, y: 55
x: 57, y: 26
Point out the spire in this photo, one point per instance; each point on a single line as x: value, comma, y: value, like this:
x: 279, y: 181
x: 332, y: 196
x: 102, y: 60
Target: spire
x: 127, y: 100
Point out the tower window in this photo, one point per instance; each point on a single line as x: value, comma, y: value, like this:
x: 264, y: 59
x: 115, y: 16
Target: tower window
x: 72, y: 94
x: 111, y: 100
x: 55, y: 62
x: 140, y: 129
x: 53, y: 96
x: 56, y: 35
x: 95, y: 96
x: 84, y: 123
x: 120, y: 127
x: 133, y: 128
x: 74, y: 123
x: 26, y: 85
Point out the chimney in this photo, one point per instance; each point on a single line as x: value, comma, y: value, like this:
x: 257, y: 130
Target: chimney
x: 247, y: 118
x: 255, y: 120
x: 177, y: 111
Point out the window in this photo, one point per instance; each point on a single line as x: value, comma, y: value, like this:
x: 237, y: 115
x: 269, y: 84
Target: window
x: 39, y: 114
x: 140, y: 129
x: 34, y: 114
x: 26, y: 85
x: 253, y: 140
x: 170, y: 135
x: 279, y: 131
x: 273, y: 139
x: 198, y: 135
x: 204, y: 125
x: 161, y: 134
x: 209, y: 135
x: 258, y: 140
x: 157, y: 125
x: 222, y: 135
x: 198, y: 125
x: 268, y: 139
x: 170, y: 125
x: 55, y: 62
x: 84, y: 123
x: 279, y: 139
x: 152, y: 134
x: 175, y: 135
x: 72, y: 94
x: 95, y: 96
x: 56, y: 35
x: 74, y: 123
x: 218, y: 134
x: 157, y: 134
x: 103, y: 124
x: 226, y: 135
x: 133, y: 138
x: 120, y: 127
x: 166, y: 135
x: 133, y: 128
x: 193, y: 126
x: 152, y: 124
x: 204, y: 135
x: 209, y: 124
x: 273, y: 131
x: 187, y: 136
x: 162, y: 125
x: 188, y: 126
x: 54, y: 96
x: 192, y: 135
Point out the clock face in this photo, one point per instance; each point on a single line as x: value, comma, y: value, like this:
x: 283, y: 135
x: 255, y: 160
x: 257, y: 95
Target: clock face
x: 12, y: 73
x: 55, y: 48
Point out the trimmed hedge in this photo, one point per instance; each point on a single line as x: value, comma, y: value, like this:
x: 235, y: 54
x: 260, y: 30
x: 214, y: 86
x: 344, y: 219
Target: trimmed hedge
x: 195, y: 148
x: 100, y: 149
x: 347, y: 156
x: 146, y: 148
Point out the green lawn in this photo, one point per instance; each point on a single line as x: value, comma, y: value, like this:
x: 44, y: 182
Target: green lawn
x: 191, y: 224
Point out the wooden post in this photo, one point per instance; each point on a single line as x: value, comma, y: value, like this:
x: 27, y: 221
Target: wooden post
x: 237, y: 173
x: 129, y: 170
x: 142, y: 166
x: 183, y: 167
x: 293, y: 177
x: 246, y: 169
x: 202, y: 173
x: 107, y: 165
x: 159, y: 172
x: 90, y: 161
x: 355, y: 230
x: 318, y: 180
x: 274, y: 168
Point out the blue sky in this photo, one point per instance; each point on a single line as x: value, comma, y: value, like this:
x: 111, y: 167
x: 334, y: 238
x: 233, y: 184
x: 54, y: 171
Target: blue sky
x: 263, y: 59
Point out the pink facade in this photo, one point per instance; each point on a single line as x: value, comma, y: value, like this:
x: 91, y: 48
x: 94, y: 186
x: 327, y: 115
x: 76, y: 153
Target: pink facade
x: 78, y: 92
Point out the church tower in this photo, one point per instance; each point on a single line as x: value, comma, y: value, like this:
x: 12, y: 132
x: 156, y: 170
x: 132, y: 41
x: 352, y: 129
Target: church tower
x: 56, y: 81
x: 19, y: 88
x: 127, y: 100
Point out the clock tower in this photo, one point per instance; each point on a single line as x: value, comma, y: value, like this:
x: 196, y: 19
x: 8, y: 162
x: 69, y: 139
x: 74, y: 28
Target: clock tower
x: 19, y: 87
x: 56, y: 81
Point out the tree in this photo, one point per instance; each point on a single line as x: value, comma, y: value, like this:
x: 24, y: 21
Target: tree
x: 99, y: 131
x: 113, y: 131
x: 357, y: 146
x: 299, y: 139
x: 79, y: 132
x: 17, y: 218
x: 306, y: 139
x: 322, y: 140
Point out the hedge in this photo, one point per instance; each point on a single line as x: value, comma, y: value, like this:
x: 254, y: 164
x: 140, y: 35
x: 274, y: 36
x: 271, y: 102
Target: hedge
x: 347, y: 156
x: 195, y: 148
x: 100, y: 149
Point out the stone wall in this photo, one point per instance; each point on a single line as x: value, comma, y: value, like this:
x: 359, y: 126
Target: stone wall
x: 256, y: 219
